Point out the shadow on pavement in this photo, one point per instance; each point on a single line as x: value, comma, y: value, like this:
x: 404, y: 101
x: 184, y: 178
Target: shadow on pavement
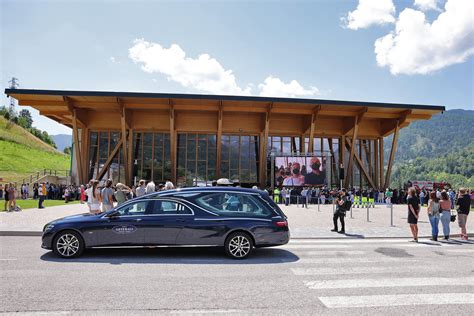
x: 177, y: 255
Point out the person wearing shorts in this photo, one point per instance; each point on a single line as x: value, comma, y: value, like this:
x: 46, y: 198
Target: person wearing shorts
x: 464, y: 204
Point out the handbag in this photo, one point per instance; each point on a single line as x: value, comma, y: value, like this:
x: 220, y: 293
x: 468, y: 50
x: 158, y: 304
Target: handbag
x: 453, y: 217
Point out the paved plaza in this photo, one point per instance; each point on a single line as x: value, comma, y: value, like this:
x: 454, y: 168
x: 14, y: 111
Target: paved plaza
x: 313, y: 222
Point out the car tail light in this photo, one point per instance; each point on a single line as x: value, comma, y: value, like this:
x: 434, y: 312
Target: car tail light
x: 282, y: 224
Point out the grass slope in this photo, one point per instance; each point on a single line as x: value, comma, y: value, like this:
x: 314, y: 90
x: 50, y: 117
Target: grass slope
x: 21, y: 154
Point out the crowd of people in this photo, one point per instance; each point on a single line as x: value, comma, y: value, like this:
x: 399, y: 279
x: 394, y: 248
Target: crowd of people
x: 101, y: 198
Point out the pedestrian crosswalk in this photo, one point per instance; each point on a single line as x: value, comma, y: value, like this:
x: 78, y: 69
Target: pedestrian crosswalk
x: 384, y: 273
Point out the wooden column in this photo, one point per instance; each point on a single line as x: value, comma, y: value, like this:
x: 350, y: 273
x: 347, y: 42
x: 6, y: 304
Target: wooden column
x: 363, y: 170
x: 123, y: 123
x: 172, y: 142
x: 263, y: 148
x: 219, y: 141
x: 85, y: 152
x: 77, y: 149
x: 302, y: 144
x: 332, y: 159
x: 392, y: 155
x: 381, y: 163
x: 131, y: 162
x: 314, y: 116
x: 342, y: 158
x: 376, y: 164
x: 109, y: 159
x: 351, y: 154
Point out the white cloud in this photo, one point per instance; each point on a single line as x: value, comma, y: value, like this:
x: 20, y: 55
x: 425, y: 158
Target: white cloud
x: 418, y: 47
x: 114, y: 60
x: 370, y: 12
x: 426, y: 5
x: 203, y: 73
x: 274, y: 87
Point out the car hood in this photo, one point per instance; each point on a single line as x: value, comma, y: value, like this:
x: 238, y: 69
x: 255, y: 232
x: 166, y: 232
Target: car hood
x: 75, y: 218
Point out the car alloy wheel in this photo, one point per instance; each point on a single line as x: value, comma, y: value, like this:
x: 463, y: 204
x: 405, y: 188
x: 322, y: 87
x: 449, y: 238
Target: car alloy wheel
x: 239, y: 245
x: 68, y: 245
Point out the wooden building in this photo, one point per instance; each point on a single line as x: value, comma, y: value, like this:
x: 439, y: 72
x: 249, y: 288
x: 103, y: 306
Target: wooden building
x: 187, y: 137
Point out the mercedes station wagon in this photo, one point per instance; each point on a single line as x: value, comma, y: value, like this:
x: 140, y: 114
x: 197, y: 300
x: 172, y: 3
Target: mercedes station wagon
x: 237, y: 219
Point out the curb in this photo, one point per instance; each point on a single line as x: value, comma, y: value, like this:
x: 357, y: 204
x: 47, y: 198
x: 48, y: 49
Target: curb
x: 38, y: 233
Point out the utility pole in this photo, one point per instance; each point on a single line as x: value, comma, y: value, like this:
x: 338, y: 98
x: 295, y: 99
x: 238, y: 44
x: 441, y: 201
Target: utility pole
x: 13, y: 84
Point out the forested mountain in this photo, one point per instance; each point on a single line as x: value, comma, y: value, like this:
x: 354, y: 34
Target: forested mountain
x: 440, y: 149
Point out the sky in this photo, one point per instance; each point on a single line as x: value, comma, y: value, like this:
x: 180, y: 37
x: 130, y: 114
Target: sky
x: 410, y: 51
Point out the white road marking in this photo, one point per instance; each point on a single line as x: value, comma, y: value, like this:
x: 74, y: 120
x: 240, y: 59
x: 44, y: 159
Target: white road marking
x: 344, y: 241
x: 459, y: 250
x: 352, y: 260
x: 391, y: 282
x: 12, y: 259
x: 397, y: 300
x: 332, y: 252
x: 315, y: 246
x: 347, y: 269
x: 205, y: 311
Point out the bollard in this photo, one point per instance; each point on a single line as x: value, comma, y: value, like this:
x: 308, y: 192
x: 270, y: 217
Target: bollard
x: 351, y: 211
x: 368, y: 207
x: 391, y: 215
x: 318, y: 205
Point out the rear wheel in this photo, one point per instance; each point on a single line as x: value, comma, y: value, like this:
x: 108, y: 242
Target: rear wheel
x: 238, y: 245
x: 68, y: 244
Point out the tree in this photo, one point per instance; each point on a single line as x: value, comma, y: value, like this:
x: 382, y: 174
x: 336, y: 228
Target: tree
x: 27, y: 117
x: 67, y: 150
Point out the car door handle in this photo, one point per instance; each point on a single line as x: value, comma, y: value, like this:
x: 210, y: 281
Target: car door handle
x: 181, y: 220
x: 138, y: 220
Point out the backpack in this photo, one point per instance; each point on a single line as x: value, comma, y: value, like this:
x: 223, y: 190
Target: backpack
x: 347, y: 205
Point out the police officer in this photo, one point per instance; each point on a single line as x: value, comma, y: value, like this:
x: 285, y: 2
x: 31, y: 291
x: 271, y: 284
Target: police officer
x: 340, y: 212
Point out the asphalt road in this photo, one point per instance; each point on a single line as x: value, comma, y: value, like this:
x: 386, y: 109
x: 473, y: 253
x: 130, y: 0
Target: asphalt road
x: 306, y: 277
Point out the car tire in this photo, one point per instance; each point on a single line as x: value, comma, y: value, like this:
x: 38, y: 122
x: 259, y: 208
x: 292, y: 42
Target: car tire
x: 238, y: 245
x: 68, y: 244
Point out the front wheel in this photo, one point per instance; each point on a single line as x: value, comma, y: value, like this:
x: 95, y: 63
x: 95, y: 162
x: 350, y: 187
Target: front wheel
x: 238, y: 245
x: 68, y: 244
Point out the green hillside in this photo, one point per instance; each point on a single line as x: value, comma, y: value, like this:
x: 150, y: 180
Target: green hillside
x: 440, y: 149
x: 21, y: 153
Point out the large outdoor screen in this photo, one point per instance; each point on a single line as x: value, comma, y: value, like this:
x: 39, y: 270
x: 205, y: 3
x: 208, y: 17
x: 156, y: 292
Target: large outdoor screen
x: 299, y: 171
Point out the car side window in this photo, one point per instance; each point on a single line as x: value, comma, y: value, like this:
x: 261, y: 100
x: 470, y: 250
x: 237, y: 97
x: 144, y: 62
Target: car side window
x: 134, y: 209
x: 163, y: 207
x: 234, y: 204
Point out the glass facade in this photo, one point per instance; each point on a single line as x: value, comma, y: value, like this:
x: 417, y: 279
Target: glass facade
x: 151, y: 156
x: 101, y: 145
x: 196, y: 159
x: 240, y: 158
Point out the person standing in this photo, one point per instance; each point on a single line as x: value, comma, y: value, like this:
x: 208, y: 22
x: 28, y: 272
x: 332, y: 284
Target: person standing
x: 452, y: 197
x: 463, y: 203
x: 445, y: 206
x: 422, y: 197
x: 304, y: 198
x: 150, y: 187
x: 141, y: 190
x: 93, y: 197
x: 121, y: 192
x: 12, y: 197
x: 41, y: 194
x: 7, y: 199
x: 107, y: 196
x: 276, y: 195
x: 82, y: 194
x: 340, y: 212
x: 1, y: 191
x: 413, y: 212
x: 433, y: 215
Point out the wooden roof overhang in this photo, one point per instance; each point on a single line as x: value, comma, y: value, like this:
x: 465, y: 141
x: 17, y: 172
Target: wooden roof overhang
x: 381, y: 118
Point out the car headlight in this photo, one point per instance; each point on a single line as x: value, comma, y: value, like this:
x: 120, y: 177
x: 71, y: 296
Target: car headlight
x: 48, y: 227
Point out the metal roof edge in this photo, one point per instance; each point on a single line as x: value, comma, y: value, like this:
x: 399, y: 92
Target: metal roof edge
x: 222, y: 97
